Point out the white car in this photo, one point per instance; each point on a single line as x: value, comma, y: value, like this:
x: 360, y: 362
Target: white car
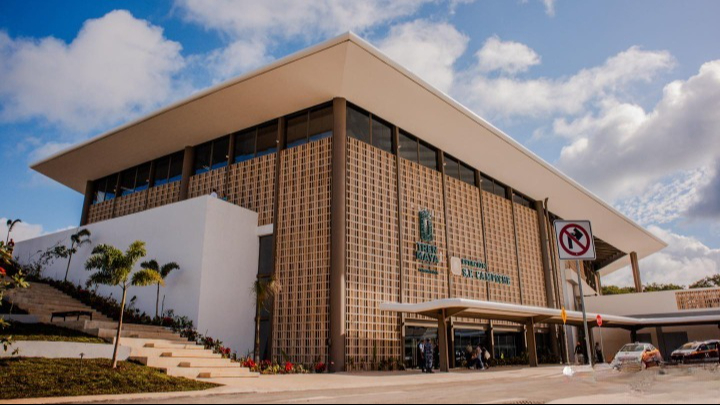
x: 637, y: 356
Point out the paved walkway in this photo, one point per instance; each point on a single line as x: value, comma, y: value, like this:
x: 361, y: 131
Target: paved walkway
x: 540, y: 385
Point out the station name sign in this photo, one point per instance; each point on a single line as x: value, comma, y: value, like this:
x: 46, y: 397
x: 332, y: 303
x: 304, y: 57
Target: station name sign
x: 477, y: 270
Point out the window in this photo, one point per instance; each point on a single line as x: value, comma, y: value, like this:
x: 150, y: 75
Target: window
x: 321, y: 124
x: 266, y: 264
x: 452, y: 167
x: 168, y: 169
x: 203, y: 154
x: 382, y: 135
x: 493, y: 186
x: 358, y: 125
x: 267, y: 139
x: 522, y: 200
x: 467, y: 174
x: 105, y: 189
x: 220, y: 152
x: 142, y: 181
x: 127, y: 181
x: 428, y: 156
x: 309, y: 126
x: 296, y: 132
x: 408, y: 147
x: 245, y: 145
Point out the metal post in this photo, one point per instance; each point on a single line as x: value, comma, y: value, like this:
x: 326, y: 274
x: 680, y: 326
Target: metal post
x: 602, y: 344
x: 585, y: 322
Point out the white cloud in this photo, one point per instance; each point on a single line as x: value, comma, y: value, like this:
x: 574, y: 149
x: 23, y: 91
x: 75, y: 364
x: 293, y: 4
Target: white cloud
x: 116, y: 67
x: 549, y: 7
x: 237, y: 58
x: 21, y: 231
x: 685, y: 261
x: 707, y: 204
x: 428, y: 49
x: 506, y: 56
x: 506, y: 97
x: 625, y: 149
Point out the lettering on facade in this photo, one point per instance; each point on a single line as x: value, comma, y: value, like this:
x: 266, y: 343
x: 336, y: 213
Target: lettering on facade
x: 477, y: 270
x: 426, y: 251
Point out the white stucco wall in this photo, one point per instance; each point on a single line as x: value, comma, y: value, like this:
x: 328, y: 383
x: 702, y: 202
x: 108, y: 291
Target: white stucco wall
x: 214, y: 242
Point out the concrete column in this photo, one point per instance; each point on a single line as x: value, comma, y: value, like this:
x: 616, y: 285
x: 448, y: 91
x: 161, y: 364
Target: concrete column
x: 276, y: 213
x: 338, y: 232
x: 441, y: 165
x: 547, y: 269
x: 187, y: 172
x: 443, y: 343
x: 531, y: 343
x: 636, y: 272
x: 633, y: 336
x: 87, y: 203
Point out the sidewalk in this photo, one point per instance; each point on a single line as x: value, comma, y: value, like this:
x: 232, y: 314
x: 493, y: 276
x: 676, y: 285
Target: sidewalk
x: 312, y: 382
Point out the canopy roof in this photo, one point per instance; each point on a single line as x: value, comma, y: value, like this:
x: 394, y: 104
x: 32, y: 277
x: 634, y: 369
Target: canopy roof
x: 522, y: 313
x: 347, y: 67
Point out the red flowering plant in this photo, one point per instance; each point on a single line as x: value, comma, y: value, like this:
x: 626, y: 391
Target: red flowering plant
x: 320, y: 367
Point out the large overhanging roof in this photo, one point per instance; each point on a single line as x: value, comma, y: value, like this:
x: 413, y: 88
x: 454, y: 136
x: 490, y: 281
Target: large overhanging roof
x: 347, y: 67
x: 463, y: 308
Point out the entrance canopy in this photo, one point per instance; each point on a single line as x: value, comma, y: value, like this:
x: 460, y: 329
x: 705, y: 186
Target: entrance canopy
x: 523, y: 314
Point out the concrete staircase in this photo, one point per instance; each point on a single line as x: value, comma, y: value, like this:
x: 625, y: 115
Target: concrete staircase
x: 184, y: 360
x: 153, y: 346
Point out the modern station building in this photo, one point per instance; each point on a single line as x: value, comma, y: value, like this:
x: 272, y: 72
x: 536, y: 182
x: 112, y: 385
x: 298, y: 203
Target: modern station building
x: 389, y: 213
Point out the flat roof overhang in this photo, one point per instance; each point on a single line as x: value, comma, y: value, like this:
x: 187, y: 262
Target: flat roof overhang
x: 522, y: 314
x: 347, y: 67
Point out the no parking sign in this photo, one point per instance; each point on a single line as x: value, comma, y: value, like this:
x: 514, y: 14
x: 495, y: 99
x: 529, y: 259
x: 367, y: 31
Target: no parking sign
x: 575, y: 240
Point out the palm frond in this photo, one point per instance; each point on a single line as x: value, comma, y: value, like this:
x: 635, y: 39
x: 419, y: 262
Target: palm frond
x: 151, y: 265
x: 169, y: 268
x: 146, y: 277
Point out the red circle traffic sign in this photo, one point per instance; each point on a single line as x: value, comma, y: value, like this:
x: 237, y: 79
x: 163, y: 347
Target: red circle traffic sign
x: 599, y: 321
x: 566, y: 232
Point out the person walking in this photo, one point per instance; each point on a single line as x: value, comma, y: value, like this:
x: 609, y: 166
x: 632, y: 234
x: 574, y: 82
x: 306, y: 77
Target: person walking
x: 421, y: 356
x: 599, y: 357
x: 429, y: 351
x: 487, y: 356
x: 579, y: 354
x: 479, y: 354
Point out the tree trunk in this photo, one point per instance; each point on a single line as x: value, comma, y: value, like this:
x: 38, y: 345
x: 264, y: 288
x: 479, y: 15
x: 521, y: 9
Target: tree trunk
x: 119, y: 329
x: 67, y: 271
x: 157, y: 301
x: 257, y: 333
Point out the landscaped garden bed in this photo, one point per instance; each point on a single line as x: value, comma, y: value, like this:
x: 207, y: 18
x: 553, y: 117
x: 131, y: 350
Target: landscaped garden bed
x: 46, y: 333
x: 37, y: 378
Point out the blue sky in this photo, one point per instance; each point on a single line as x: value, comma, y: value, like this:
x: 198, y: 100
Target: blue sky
x: 623, y: 96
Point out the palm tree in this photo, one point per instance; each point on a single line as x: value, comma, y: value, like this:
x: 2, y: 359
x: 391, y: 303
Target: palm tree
x: 113, y: 269
x: 10, y: 225
x: 152, y: 274
x: 263, y: 290
x: 78, y: 239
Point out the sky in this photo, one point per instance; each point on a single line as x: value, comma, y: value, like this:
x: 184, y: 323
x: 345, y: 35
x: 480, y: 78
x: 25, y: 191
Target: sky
x: 622, y: 96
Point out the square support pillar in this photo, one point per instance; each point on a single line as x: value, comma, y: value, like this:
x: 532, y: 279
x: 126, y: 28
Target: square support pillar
x: 531, y: 342
x: 636, y: 272
x: 444, y: 347
x: 187, y: 172
x: 89, y: 196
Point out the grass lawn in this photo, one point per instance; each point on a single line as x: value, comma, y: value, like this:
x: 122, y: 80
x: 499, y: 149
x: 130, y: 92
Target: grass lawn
x: 48, y: 333
x: 36, y: 378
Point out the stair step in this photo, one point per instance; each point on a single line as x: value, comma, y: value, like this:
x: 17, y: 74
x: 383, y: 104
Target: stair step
x: 206, y: 373
x: 190, y: 354
x: 173, y: 346
x: 167, y: 362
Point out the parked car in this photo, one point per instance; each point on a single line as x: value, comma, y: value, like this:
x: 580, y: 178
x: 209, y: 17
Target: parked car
x: 698, y: 352
x: 637, y: 356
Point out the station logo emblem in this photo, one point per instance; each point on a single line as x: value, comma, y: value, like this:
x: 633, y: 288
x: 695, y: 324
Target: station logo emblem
x: 427, y: 231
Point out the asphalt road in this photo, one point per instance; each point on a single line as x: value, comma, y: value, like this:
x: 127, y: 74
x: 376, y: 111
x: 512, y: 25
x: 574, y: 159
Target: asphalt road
x: 672, y: 385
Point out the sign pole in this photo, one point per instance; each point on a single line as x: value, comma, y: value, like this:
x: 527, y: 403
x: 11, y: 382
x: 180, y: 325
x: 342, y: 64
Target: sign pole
x: 585, y: 322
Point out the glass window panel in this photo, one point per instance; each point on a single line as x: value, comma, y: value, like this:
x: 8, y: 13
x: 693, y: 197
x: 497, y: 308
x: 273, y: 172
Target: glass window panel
x: 143, y: 177
x: 162, y: 168
x: 265, y: 336
x: 408, y: 147
x: 127, y: 181
x: 267, y: 140
x: 296, y: 134
x: 99, y: 191
x: 358, y: 124
x: 266, y: 265
x: 428, y: 156
x: 111, y: 187
x: 321, y: 124
x: 382, y: 135
x: 452, y: 167
x: 176, y: 167
x: 488, y: 184
x: 220, y: 152
x: 467, y: 174
x: 500, y: 190
x: 245, y: 145
x: 202, y: 158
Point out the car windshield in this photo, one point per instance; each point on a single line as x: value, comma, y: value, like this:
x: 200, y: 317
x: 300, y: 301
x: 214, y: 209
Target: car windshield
x: 632, y: 348
x: 689, y: 346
